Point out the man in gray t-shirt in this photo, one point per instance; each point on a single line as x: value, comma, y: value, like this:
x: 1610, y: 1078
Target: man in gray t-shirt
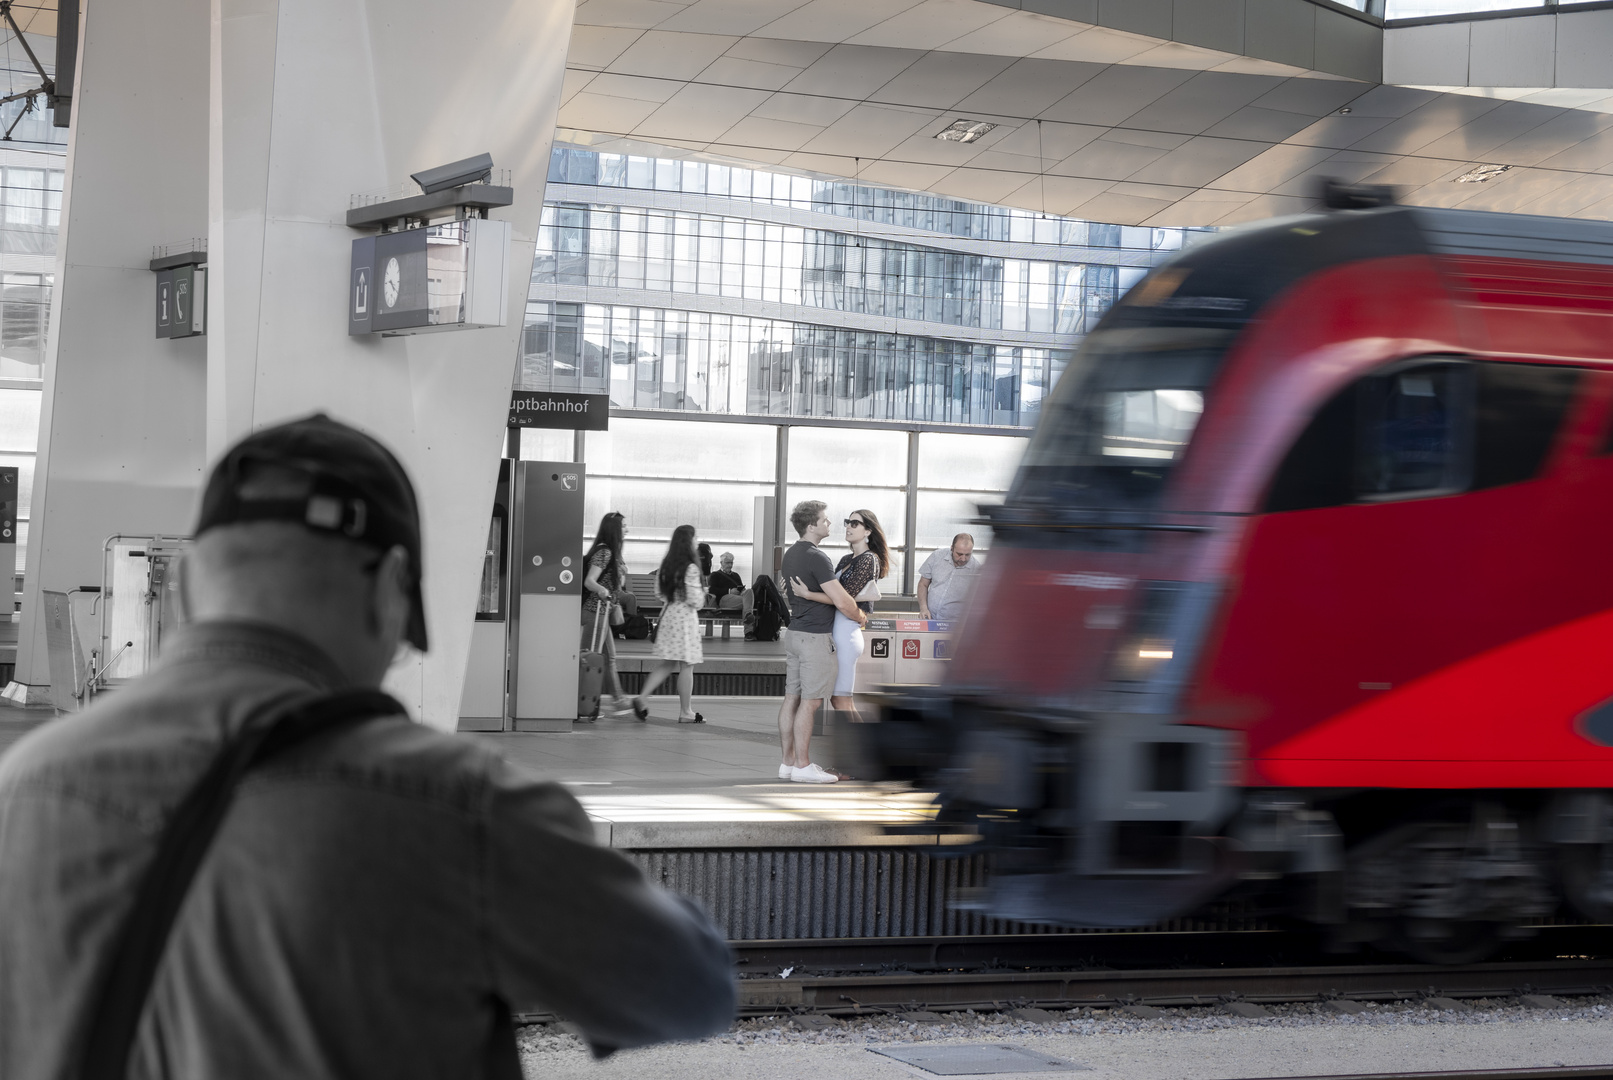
x: 809, y: 652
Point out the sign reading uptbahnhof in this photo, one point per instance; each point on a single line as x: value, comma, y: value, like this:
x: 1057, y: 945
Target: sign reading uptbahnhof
x: 547, y: 409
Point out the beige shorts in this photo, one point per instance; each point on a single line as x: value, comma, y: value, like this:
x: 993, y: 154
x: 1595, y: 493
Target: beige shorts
x: 809, y: 665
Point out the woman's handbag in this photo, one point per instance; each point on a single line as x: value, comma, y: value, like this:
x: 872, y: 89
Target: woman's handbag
x: 617, y: 615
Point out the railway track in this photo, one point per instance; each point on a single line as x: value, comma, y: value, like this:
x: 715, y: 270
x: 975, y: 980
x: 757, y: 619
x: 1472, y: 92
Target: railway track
x: 907, y: 991
x: 882, y: 975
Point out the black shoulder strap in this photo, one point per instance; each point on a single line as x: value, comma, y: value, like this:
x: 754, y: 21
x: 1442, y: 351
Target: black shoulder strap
x: 121, y: 1000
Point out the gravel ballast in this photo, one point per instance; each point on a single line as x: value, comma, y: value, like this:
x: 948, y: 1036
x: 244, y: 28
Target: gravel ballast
x: 1207, y: 1043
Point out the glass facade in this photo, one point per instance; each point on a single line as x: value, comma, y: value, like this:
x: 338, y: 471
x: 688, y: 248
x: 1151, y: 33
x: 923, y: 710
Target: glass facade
x: 701, y: 362
x: 737, y: 311
x: 662, y: 473
x: 700, y: 288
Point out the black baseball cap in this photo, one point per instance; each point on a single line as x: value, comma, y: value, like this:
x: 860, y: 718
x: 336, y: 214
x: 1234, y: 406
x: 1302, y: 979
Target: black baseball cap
x: 329, y: 477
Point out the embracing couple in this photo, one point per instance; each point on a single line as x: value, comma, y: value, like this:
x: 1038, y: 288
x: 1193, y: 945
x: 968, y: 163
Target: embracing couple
x: 829, y: 606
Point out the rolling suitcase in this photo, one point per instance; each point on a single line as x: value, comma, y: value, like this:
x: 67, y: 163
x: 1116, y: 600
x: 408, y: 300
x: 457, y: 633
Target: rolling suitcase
x: 591, y: 669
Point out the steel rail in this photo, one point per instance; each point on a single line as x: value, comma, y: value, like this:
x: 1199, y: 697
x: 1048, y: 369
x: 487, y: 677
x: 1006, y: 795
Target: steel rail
x: 862, y: 976
x: 908, y: 991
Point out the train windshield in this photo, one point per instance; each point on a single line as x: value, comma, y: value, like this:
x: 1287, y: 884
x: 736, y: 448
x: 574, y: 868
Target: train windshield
x: 1120, y: 418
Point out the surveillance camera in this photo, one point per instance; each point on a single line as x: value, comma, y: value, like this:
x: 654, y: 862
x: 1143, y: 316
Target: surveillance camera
x: 454, y: 174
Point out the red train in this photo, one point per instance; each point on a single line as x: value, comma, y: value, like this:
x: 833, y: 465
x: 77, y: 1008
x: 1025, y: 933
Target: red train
x: 1304, y: 588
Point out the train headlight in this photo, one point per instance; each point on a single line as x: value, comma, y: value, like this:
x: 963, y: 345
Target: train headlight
x: 1167, y: 620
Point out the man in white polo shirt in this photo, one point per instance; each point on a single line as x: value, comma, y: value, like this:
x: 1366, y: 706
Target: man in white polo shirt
x: 945, y: 578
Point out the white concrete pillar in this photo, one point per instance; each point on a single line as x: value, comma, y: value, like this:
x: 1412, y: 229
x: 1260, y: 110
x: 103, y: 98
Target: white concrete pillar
x: 314, y: 101
x: 254, y: 122
x: 122, y: 431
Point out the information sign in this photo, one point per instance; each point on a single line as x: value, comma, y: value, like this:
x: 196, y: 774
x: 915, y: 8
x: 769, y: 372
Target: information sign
x: 548, y: 409
x: 452, y: 276
x: 165, y: 303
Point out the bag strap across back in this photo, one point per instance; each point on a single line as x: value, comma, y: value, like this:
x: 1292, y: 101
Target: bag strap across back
x: 138, y: 950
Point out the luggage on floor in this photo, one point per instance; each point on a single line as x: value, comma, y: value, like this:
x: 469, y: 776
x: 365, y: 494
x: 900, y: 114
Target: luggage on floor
x: 634, y: 628
x: 591, y: 670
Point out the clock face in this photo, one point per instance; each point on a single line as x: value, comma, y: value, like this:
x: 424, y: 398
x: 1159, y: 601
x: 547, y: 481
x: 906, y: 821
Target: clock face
x: 392, y: 282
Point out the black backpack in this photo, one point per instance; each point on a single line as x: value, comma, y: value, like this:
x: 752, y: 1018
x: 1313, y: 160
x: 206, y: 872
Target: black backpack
x: 768, y: 614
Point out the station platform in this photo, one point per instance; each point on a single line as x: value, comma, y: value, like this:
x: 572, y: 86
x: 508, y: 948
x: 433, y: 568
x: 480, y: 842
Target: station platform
x: 662, y: 784
x: 700, y: 809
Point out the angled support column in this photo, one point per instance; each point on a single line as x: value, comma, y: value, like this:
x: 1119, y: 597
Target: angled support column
x: 314, y: 101
x: 121, y: 435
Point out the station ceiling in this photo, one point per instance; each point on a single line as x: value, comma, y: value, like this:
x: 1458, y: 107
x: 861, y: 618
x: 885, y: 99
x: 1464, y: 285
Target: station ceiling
x: 1091, y: 120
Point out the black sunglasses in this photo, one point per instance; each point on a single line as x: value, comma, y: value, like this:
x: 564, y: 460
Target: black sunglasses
x: 849, y: 522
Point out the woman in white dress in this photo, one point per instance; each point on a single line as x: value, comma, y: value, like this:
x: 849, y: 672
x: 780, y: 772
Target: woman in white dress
x: 677, y: 634
x: 859, y: 572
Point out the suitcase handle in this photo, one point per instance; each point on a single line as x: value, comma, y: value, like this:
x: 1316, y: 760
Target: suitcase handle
x: 601, y: 615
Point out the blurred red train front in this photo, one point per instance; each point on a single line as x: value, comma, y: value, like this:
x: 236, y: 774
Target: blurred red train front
x: 1302, y: 589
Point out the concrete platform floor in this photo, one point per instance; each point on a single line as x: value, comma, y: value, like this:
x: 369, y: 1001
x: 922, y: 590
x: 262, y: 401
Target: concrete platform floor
x: 661, y: 783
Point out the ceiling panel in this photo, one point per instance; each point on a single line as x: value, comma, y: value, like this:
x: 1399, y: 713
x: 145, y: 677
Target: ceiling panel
x: 931, y: 24
x: 728, y: 16
x: 1107, y: 159
x: 1266, y: 125
x: 1030, y: 87
x: 1115, y: 94
x: 594, y: 47
x: 805, y: 108
x: 1113, y: 125
x: 870, y: 131
x: 1558, y: 135
x: 1266, y: 170
x: 700, y: 113
x: 754, y: 130
x: 1099, y: 45
x: 1198, y: 161
x: 853, y: 71
x: 1205, y: 99
x: 1018, y: 33
x: 1479, y: 137
x: 753, y: 74
x: 662, y: 55
x: 795, y: 54
x: 631, y: 14
x: 941, y: 79
x: 834, y: 20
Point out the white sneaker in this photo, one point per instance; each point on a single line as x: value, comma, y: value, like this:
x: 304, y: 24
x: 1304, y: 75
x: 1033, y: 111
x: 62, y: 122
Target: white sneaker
x: 784, y: 771
x: 813, y: 774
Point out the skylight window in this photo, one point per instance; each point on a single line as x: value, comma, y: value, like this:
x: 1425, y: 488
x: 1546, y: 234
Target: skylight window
x: 965, y: 131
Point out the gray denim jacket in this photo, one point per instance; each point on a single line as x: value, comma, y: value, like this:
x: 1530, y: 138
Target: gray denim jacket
x: 365, y: 899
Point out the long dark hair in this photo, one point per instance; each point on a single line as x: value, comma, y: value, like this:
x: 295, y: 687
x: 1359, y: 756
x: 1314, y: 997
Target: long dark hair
x: 680, y: 555
x: 609, y: 537
x: 705, y: 559
x: 876, y: 540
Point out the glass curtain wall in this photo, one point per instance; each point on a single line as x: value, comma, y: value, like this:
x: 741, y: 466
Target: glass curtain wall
x: 845, y: 199
x: 693, y: 361
x: 705, y: 255
x: 852, y: 469
x: 661, y: 474
x: 956, y: 474
x: 853, y: 306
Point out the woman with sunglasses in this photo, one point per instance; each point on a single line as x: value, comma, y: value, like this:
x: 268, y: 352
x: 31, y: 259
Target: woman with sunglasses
x: 859, y: 572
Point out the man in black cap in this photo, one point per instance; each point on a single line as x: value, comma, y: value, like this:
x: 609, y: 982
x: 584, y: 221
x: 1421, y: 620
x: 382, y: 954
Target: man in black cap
x: 375, y: 898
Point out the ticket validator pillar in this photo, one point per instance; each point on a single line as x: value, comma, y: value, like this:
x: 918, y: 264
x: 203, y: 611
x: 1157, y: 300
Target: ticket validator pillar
x: 546, y: 576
